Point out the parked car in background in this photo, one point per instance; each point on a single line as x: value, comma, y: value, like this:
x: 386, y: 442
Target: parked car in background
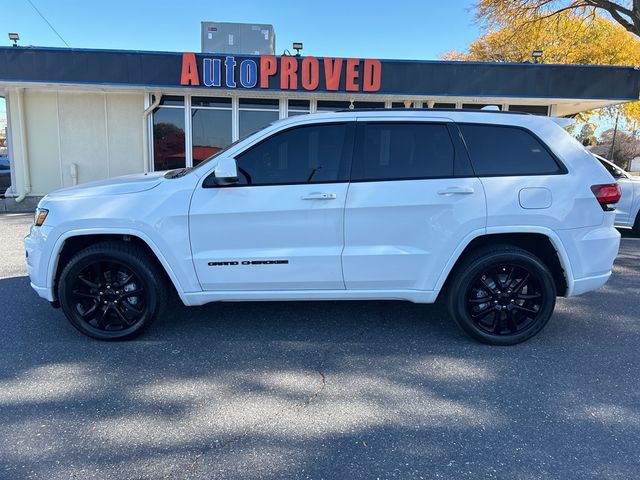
x: 628, y: 208
x: 497, y: 214
x: 5, y: 174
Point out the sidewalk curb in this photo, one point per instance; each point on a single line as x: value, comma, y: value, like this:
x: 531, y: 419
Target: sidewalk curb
x: 28, y: 205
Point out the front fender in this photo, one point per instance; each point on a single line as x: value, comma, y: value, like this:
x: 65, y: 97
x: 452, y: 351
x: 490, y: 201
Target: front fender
x: 180, y: 273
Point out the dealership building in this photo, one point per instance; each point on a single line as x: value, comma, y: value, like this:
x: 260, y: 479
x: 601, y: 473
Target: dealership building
x: 77, y: 115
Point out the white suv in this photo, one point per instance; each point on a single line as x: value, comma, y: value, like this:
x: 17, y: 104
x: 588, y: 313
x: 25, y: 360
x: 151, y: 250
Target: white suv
x: 495, y: 213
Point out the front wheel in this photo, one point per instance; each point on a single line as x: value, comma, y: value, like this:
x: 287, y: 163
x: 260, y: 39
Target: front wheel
x: 112, y: 291
x: 502, y: 295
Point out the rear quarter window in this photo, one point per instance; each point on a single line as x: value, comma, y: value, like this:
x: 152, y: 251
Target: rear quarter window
x: 504, y: 151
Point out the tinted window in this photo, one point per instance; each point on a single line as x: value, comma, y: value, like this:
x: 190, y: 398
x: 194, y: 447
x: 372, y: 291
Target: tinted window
x: 498, y: 150
x: 210, y: 126
x: 532, y: 109
x: 255, y: 114
x: 404, y: 151
x: 300, y: 155
x: 168, y: 138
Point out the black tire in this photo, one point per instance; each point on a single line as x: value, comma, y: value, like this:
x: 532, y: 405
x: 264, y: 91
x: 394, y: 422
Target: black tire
x: 636, y: 225
x: 501, y: 295
x: 112, y: 291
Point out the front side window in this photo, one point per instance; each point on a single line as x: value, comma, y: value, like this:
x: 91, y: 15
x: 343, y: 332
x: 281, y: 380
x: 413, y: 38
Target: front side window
x: 310, y: 154
x: 503, y: 150
x: 400, y: 151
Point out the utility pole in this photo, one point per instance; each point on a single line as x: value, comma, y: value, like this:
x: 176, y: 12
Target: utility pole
x: 613, y: 140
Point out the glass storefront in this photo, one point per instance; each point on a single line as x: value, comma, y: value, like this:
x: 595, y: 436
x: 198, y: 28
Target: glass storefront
x: 257, y: 113
x: 188, y: 130
x: 532, y: 109
x: 332, y: 106
x: 298, y: 107
x: 169, y: 134
x: 211, y: 122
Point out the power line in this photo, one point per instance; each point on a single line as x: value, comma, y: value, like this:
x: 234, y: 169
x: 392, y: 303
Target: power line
x: 47, y: 21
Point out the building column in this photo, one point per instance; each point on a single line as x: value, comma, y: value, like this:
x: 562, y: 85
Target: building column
x: 17, y: 141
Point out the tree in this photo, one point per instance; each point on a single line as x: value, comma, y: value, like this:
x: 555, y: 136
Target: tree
x: 566, y: 38
x: 503, y: 12
x: 586, y: 136
x: 626, y: 148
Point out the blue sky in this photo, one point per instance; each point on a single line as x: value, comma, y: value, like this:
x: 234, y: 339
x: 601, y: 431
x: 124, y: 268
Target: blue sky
x: 412, y: 29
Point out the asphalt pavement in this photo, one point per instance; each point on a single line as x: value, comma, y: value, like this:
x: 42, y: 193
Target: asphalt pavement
x: 333, y: 390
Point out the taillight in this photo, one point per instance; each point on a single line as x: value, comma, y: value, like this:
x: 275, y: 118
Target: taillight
x: 607, y: 195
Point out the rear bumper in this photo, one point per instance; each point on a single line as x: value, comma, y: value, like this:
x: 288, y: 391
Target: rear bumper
x: 583, y: 285
x: 591, y: 252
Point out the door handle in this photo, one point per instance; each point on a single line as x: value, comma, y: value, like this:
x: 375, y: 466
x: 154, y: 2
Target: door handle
x: 319, y: 196
x: 456, y: 191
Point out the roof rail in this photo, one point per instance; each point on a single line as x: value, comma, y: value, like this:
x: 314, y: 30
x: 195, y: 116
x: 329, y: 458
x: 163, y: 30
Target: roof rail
x: 470, y: 110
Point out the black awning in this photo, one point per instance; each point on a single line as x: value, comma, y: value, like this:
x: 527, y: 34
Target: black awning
x: 402, y: 77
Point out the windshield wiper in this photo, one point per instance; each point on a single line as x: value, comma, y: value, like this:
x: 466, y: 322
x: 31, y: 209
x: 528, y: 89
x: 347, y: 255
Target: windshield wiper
x: 180, y: 172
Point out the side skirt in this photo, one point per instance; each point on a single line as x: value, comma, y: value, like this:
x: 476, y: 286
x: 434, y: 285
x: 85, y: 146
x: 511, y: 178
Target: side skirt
x: 201, y: 298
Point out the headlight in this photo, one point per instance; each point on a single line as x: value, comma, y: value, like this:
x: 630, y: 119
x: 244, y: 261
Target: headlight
x: 40, y: 216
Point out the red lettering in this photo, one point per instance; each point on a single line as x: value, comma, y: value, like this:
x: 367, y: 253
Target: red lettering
x: 288, y: 73
x: 268, y: 68
x: 352, y: 74
x: 332, y: 71
x: 372, y: 75
x: 189, y: 74
x: 310, y: 73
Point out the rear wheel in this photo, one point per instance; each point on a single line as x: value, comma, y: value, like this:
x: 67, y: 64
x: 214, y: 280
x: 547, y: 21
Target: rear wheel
x: 502, y: 295
x: 636, y: 225
x: 112, y: 291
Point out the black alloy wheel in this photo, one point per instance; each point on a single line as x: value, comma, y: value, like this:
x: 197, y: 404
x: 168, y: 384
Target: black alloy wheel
x: 504, y: 299
x: 112, y: 291
x: 501, y: 295
x: 109, y: 296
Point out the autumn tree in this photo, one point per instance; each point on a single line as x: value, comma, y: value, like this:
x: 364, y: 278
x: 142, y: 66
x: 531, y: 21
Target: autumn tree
x: 566, y: 38
x: 503, y: 12
x: 625, y: 148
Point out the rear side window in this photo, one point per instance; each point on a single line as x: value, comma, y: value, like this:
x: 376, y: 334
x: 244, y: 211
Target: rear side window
x: 311, y: 154
x: 400, y: 151
x: 500, y: 150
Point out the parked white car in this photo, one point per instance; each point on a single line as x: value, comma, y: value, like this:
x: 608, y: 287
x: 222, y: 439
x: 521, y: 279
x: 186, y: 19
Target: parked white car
x: 494, y: 213
x: 628, y: 208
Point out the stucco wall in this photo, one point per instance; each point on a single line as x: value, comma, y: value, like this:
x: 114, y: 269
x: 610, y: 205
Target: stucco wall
x: 101, y: 133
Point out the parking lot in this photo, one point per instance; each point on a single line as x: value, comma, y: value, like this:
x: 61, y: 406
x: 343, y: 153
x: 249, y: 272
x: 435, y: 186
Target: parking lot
x: 319, y: 390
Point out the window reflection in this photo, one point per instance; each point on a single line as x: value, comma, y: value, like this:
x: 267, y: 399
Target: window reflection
x: 210, y: 126
x: 168, y: 138
x: 298, y: 107
x: 256, y: 114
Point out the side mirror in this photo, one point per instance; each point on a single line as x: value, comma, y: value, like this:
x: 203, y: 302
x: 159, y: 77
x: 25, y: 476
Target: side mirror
x: 617, y: 173
x: 225, y: 173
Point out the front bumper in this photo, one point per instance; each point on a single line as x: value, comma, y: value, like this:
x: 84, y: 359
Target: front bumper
x: 37, y: 260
